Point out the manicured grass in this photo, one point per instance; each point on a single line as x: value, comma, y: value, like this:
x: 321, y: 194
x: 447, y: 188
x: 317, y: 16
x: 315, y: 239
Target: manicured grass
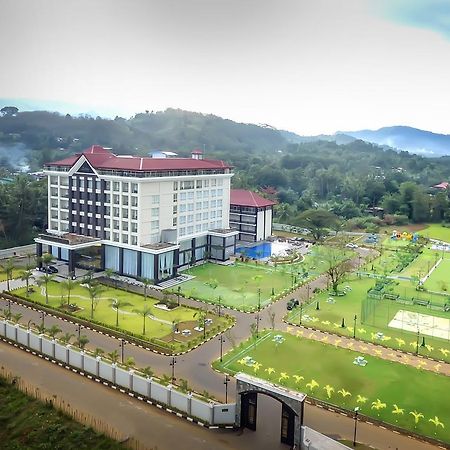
x: 27, y: 423
x: 394, y: 384
x: 439, y: 280
x: 436, y: 231
x: 238, y: 284
x: 330, y: 315
x: 159, y: 326
x: 17, y: 273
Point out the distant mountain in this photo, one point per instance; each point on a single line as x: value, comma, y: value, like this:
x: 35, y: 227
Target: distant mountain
x: 338, y: 138
x: 408, y: 139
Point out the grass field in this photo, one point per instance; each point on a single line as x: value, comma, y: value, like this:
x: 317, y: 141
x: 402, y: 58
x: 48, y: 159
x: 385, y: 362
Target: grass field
x: 295, y: 362
x: 439, y: 280
x: 159, y: 324
x: 17, y: 273
x: 29, y: 424
x: 238, y: 284
x: 436, y: 231
x: 330, y: 315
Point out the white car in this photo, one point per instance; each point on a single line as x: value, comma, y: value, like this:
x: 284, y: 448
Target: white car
x: 351, y: 245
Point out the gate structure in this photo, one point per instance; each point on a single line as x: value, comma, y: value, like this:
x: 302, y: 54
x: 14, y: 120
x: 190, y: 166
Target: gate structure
x: 247, y: 390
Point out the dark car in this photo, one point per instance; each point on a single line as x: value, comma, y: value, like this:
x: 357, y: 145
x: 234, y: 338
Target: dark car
x: 292, y: 303
x: 48, y: 269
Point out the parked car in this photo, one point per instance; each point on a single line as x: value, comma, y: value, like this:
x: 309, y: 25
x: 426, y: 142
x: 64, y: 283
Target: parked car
x: 351, y: 245
x: 48, y: 269
x: 292, y: 303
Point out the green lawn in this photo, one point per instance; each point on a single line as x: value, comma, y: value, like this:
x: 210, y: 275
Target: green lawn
x: 439, y: 280
x: 238, y: 284
x: 29, y: 424
x: 17, y: 273
x: 158, y: 326
x: 436, y: 231
x: 392, y: 383
x: 330, y: 315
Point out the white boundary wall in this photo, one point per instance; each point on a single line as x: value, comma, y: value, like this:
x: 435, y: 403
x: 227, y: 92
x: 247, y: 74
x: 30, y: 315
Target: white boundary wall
x: 210, y: 413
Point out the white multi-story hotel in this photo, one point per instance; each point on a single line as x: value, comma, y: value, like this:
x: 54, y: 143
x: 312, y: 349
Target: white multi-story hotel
x: 140, y: 216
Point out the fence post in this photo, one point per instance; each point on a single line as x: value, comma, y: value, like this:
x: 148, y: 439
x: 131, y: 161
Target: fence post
x: 28, y: 338
x: 67, y: 353
x: 149, y: 387
x: 113, y: 366
x: 97, y: 366
x: 169, y: 394
x: 82, y: 360
x: 189, y: 404
x: 40, y: 343
x: 131, y: 379
x: 16, y: 326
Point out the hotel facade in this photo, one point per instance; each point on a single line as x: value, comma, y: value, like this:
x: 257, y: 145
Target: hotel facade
x: 144, y: 217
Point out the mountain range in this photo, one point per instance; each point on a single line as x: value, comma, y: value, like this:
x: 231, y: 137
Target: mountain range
x: 180, y: 130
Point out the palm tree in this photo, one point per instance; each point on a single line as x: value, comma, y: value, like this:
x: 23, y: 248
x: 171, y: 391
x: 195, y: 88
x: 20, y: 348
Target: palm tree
x: 68, y: 287
x: 147, y: 371
x: 66, y: 337
x: 312, y: 384
x: 437, y: 423
x: 98, y: 352
x: 53, y: 331
x: 43, y: 281
x: 397, y: 411
x: 94, y: 289
x: 145, y: 312
x: 7, y: 314
x: 26, y: 276
x: 113, y: 356
x: 46, y: 259
x: 82, y: 341
x: 378, y: 405
x: 9, y: 268
x: 417, y: 417
x: 129, y: 362
x: 118, y: 303
x: 110, y: 274
x: 146, y: 282
x: 16, y: 317
x: 329, y: 389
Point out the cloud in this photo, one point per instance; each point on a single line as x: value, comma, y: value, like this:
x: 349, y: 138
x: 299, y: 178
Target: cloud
x: 428, y: 14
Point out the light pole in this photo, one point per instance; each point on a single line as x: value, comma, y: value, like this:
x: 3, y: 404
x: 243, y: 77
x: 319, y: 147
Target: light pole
x: 220, y: 303
x: 222, y: 340
x: 9, y: 306
x: 227, y: 380
x: 78, y: 330
x: 307, y: 289
x: 122, y: 346
x: 178, y: 294
x: 354, y: 326
x: 29, y: 324
x: 301, y: 311
x: 172, y: 364
x: 356, y: 424
x: 43, y: 318
x: 417, y: 342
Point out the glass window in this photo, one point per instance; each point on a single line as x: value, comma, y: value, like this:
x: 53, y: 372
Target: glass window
x: 175, y: 198
x: 89, y: 183
x: 198, y: 228
x: 190, y: 195
x: 198, y: 205
x: 175, y: 209
x: 116, y: 186
x: 190, y: 229
x: 213, y: 203
x: 125, y: 200
x: 205, y: 194
x: 134, y: 188
x: 107, y: 185
x: 206, y: 183
x: 134, y: 201
x: 183, y: 196
x: 182, y: 220
x: 133, y: 240
x: 198, y: 184
x: 219, y: 192
x: 124, y: 226
x: 182, y: 208
x: 198, y: 217
x: 214, y: 182
x: 190, y: 207
x: 190, y: 218
x: 134, y: 214
x: 115, y: 199
x: 155, y: 212
x: 213, y: 192
x: 116, y: 224
x: 205, y: 215
x: 154, y: 224
x: 134, y: 227
x: 220, y: 182
x: 116, y: 237
x: 125, y: 187
x: 174, y: 222
x: 205, y: 205
x: 182, y: 231
x: 175, y: 185
x: 125, y: 238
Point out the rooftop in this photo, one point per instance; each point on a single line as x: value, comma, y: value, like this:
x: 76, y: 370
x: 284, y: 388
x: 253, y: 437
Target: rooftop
x: 241, y: 197
x: 102, y: 158
x: 442, y: 185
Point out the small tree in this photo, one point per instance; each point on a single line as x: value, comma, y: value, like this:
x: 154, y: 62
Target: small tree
x: 66, y: 337
x: 113, y: 356
x: 111, y: 275
x: 82, y: 341
x: 98, y: 352
x: 254, y: 334
x: 147, y: 371
x: 94, y: 289
x: 337, y: 267
x: 27, y: 275
x: 272, y: 316
x: 129, y: 363
x: 53, y: 331
x: 145, y: 312
x: 118, y: 303
x: 183, y: 385
x: 16, y: 317
x: 146, y: 282
x: 9, y: 268
x: 68, y: 286
x: 7, y: 314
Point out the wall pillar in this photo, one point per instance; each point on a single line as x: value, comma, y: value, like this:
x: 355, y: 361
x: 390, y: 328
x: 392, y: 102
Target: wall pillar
x: 39, y: 254
x: 71, y: 262
x: 139, y: 264
x: 121, y: 260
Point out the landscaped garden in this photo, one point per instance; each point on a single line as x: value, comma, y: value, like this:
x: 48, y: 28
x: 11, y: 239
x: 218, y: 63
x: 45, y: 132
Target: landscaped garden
x: 244, y: 284
x: 399, y: 394
x: 160, y: 322
x: 375, y: 315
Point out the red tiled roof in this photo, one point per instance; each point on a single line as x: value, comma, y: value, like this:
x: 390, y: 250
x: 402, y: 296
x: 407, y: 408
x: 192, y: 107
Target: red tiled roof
x: 443, y: 185
x: 101, y: 158
x: 241, y: 197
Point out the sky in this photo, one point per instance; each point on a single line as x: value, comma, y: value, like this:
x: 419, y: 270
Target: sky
x: 308, y: 66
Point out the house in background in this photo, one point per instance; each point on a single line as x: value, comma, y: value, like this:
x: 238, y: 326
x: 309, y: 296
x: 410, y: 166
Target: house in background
x: 250, y: 215
x: 139, y: 216
x: 441, y: 186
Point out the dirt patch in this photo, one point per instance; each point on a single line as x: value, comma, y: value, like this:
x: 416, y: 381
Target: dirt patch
x: 69, y: 308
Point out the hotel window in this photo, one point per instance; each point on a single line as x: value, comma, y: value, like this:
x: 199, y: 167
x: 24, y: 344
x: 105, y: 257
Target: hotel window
x: 81, y: 182
x: 220, y: 182
x: 134, y: 188
x: 125, y: 238
x: 198, y: 228
x: 213, y: 192
x: 134, y: 214
x: 155, y: 199
x: 219, y: 192
x: 182, y: 220
x: 53, y: 180
x: 107, y: 185
x: 199, y: 184
x: 205, y: 205
x: 116, y: 186
x: 183, y: 196
x: 205, y: 227
x: 182, y: 208
x: 190, y: 195
x: 107, y: 210
x: 205, y: 194
x: 189, y: 184
x: 182, y: 231
x: 175, y: 198
x: 107, y: 223
x: 175, y: 209
x: 205, y: 216
x: 155, y: 212
x: 134, y: 227
x: 98, y: 184
x: 124, y: 213
x: 213, y: 203
x: 175, y: 185
x: 125, y: 200
x: 107, y: 198
x: 174, y: 222
x: 213, y: 215
x: 134, y: 201
x: 190, y: 207
x: 219, y: 213
x: 219, y: 202
x: 116, y: 237
x: 107, y: 235
x: 116, y: 199
x: 54, y: 192
x: 198, y: 205
x: 116, y: 212
x: 133, y: 240
x: 125, y: 187
x: 116, y: 224
x: 154, y: 224
x: 198, y: 217
x: 124, y: 226
x: 199, y: 194
x: 190, y: 230
x: 206, y: 183
x: 213, y: 182
x: 190, y: 218
x: 89, y: 183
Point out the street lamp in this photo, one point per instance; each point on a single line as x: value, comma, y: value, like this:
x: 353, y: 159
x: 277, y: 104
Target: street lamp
x: 417, y: 342
x: 354, y: 326
x: 259, y: 309
x: 43, y: 318
x: 122, y: 346
x: 227, y: 380
x: 219, y: 303
x: 9, y: 306
x: 178, y: 294
x: 172, y: 364
x: 222, y: 340
x: 29, y: 324
x: 356, y: 424
x: 78, y: 330
x: 301, y: 311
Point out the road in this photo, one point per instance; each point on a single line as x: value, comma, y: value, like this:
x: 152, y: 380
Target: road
x: 156, y: 428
